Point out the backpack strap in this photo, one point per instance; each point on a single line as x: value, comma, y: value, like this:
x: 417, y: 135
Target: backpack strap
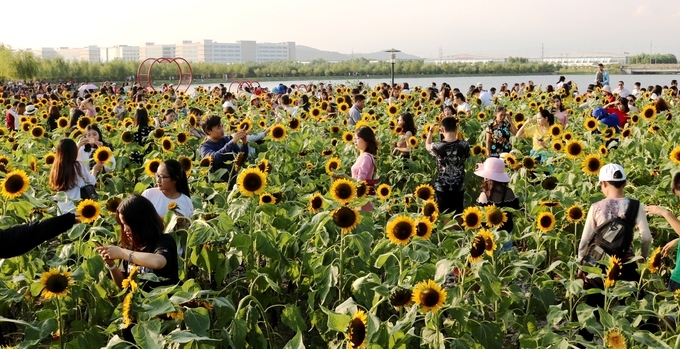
x: 632, y: 211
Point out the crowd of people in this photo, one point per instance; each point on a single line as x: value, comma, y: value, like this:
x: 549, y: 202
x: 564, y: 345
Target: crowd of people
x: 229, y: 145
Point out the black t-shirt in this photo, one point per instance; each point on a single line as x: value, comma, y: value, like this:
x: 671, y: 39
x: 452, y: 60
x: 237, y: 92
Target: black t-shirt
x: 451, y: 158
x: 167, y: 247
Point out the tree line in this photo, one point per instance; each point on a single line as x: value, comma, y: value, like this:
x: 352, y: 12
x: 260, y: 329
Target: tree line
x: 657, y: 58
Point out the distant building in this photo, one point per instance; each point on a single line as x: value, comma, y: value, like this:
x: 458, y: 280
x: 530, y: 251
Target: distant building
x: 123, y: 52
x: 151, y: 50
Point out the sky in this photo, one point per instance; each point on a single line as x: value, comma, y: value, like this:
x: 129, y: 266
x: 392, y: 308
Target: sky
x: 417, y: 27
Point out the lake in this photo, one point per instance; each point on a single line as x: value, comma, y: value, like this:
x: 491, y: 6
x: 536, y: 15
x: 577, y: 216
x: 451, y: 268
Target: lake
x: 464, y: 82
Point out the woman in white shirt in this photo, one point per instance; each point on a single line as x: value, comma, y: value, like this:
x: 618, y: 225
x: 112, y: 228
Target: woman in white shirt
x: 89, y: 144
x: 69, y: 175
x: 172, y: 187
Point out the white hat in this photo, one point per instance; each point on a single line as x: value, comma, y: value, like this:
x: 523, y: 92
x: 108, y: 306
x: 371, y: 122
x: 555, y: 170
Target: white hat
x: 30, y: 109
x: 493, y: 169
x: 607, y: 173
x: 606, y: 88
x: 479, y: 84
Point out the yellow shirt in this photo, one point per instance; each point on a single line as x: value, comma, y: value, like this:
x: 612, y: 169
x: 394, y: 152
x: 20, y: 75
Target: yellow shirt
x: 538, y: 133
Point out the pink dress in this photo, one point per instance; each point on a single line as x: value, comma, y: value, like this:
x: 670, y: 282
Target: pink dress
x: 362, y: 170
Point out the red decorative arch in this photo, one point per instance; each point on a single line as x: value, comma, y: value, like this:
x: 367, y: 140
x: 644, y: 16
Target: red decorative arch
x: 144, y: 77
x: 246, y: 83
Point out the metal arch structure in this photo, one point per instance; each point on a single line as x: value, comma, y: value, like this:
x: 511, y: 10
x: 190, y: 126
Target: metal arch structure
x: 144, y: 75
x: 246, y: 83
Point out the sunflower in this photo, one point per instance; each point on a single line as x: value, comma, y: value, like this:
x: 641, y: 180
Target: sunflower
x: 267, y: 198
x: 245, y: 125
x: 567, y: 136
x: 392, y: 110
x: 49, y: 158
x: 37, y: 132
x: 603, y: 150
x: 193, y: 120
x: 400, y: 229
x: 481, y: 116
x: 549, y: 183
x: 112, y: 204
x: 511, y: 161
x: 476, y: 150
x: 591, y: 164
x: 15, y: 184
x: 25, y: 126
x: 529, y: 163
x: 495, y: 217
x: 158, y: 133
x: 429, y: 296
x: 574, y: 149
x: 102, y: 154
x: 327, y: 152
x: 127, y: 308
x: 206, y: 161
x: 545, y: 221
x: 4, y: 160
x: 315, y: 112
x: 346, y: 218
x: 424, y: 192
x: 648, y: 112
x: 519, y: 117
x: 357, y: 331
x: 83, y: 122
x: 383, y: 191
x: 332, y: 165
x: 590, y: 124
x: 185, y: 163
x: 574, y: 214
x: 127, y: 137
x: 489, y: 241
x: 55, y: 283
x: 634, y: 119
x: 401, y: 298
x: 264, y: 166
x: 654, y: 128
x: 182, y: 138
x: 423, y: 228
x: 343, y: 107
x: 251, y: 181
x: 655, y: 261
x: 315, y: 203
x: 613, y: 272
x: 62, y: 122
x: 167, y: 144
x: 277, y: 132
x: 151, y: 166
x: 626, y: 133
x: 413, y: 141
x: 335, y: 129
x: 347, y: 137
x: 614, y: 339
x: 343, y: 191
x: 88, y: 210
x: 472, y: 218
x: 675, y: 155
x: 294, y: 124
x: 430, y: 209
x: 556, y: 130
x: 477, y: 249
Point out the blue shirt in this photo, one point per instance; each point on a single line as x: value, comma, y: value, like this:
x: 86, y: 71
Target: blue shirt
x: 223, y: 153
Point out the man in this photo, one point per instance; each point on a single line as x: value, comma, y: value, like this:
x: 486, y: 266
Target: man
x: 354, y: 113
x: 602, y: 76
x: 221, y: 149
x: 287, y: 109
x: 11, y: 116
x: 636, y: 90
x: 622, y: 91
x: 484, y: 96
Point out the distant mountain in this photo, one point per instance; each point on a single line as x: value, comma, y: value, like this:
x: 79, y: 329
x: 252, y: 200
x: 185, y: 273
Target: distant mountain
x: 306, y: 54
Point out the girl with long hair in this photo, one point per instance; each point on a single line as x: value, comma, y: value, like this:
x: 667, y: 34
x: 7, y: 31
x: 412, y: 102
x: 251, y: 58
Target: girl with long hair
x: 364, y: 167
x: 69, y: 175
x: 408, y: 129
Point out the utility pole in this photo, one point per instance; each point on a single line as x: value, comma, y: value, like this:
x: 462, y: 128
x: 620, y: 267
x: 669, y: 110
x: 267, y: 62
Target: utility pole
x: 542, y: 52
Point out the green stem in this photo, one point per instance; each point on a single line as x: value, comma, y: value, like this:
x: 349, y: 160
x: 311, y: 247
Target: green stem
x: 61, y: 325
x: 341, y: 267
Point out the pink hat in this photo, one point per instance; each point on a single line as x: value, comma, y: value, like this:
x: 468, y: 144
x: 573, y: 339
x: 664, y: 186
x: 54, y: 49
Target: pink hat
x: 493, y: 169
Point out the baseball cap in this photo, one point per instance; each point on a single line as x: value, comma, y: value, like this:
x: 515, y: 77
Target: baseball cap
x: 607, y: 173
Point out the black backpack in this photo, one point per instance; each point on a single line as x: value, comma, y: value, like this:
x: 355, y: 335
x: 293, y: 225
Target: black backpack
x: 614, y: 237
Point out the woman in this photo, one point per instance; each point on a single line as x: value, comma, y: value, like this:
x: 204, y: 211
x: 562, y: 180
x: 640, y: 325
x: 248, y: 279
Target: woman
x: 88, y: 107
x: 495, y: 191
x: 674, y: 283
x: 620, y: 109
x: 559, y: 111
x: 364, y: 167
x: 69, y: 175
x: 169, y: 116
x: 408, y: 129
x: 142, y: 244
x: 498, y: 134
x: 89, y: 144
x: 172, y: 187
x: 52, y: 117
x: 141, y: 121
x: 463, y: 106
x: 75, y: 116
x: 537, y: 128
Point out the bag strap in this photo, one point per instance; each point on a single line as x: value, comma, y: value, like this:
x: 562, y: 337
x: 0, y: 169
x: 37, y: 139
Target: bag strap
x: 632, y: 211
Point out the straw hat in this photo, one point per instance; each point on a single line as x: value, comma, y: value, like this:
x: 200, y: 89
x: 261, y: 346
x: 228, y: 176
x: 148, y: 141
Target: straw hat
x: 493, y: 169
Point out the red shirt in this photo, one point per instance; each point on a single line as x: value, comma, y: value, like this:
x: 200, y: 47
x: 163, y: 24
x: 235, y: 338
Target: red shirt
x: 623, y: 117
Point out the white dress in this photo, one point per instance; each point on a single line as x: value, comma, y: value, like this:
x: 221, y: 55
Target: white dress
x: 161, y: 202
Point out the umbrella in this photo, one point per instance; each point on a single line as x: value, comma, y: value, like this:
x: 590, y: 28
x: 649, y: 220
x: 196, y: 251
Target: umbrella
x: 88, y: 87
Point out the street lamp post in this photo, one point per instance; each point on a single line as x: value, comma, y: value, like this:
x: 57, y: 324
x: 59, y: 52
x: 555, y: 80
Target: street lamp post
x: 393, y: 59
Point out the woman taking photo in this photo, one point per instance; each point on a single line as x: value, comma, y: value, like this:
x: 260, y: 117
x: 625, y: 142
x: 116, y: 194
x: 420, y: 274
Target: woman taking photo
x: 89, y: 144
x: 141, y: 121
x: 559, y: 111
x: 364, y: 167
x: 408, y: 129
x: 498, y: 134
x: 69, y: 175
x: 172, y: 187
x: 495, y: 191
x: 142, y: 244
x: 537, y: 128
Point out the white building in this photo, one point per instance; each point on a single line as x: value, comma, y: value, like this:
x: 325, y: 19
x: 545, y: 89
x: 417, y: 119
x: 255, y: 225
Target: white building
x: 124, y: 52
x: 151, y: 50
x: 45, y: 53
x: 88, y: 54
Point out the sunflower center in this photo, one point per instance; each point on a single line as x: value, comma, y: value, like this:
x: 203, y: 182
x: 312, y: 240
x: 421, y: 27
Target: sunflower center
x: 401, y: 298
x: 402, y: 230
x: 89, y: 211
x: 277, y: 132
x: 478, y: 246
x: 316, y: 203
x: 357, y: 332
x: 575, y: 214
x: 344, y: 217
x: 343, y: 191
x: 14, y: 184
x: 102, y: 156
x: 429, y: 297
x: 495, y: 217
x: 594, y: 165
x: 429, y: 209
x: 545, y: 221
x: 56, y: 283
x: 384, y: 191
x: 252, y: 182
x: 471, y: 220
x: 267, y: 199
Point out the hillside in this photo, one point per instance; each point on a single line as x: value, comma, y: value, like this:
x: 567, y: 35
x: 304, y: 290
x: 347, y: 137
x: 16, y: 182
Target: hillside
x: 306, y: 54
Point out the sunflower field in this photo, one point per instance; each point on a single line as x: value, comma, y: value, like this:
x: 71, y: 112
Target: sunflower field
x: 287, y: 258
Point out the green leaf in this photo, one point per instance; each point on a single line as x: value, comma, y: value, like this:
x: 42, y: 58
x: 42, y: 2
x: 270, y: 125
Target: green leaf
x: 198, y: 320
x: 239, y: 331
x: 199, y: 235
x: 292, y: 317
x: 295, y: 343
x: 337, y: 322
x: 649, y: 340
x: 147, y: 334
x: 77, y: 231
x: 241, y: 242
x: 487, y: 333
x: 140, y: 187
x: 159, y: 305
x: 186, y: 337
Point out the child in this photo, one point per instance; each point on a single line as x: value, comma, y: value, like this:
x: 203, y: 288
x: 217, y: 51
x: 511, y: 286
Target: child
x: 451, y: 154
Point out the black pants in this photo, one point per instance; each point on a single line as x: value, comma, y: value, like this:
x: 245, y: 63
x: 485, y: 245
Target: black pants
x: 450, y: 201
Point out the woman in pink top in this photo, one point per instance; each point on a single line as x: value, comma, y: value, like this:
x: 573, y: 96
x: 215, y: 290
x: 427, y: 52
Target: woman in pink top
x: 559, y: 111
x: 88, y: 108
x: 364, y: 168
